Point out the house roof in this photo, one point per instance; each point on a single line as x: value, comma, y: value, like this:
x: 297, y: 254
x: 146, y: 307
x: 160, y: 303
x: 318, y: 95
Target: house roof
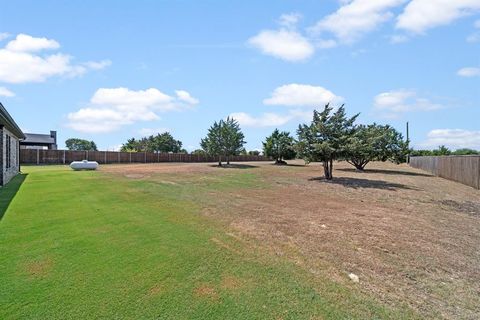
x: 7, y: 121
x: 35, y: 138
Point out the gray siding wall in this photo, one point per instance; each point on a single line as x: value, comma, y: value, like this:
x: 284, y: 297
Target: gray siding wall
x: 13, y: 170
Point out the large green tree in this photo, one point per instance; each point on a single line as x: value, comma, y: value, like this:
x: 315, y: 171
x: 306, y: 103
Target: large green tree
x: 375, y: 143
x: 163, y: 142
x: 224, y: 139
x: 280, y: 146
x: 326, y: 138
x: 80, y: 145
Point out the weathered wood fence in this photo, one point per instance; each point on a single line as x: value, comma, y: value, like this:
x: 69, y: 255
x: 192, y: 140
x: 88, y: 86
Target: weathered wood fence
x: 463, y: 169
x: 37, y: 156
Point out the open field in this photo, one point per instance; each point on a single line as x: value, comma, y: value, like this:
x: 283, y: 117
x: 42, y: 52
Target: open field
x: 254, y: 241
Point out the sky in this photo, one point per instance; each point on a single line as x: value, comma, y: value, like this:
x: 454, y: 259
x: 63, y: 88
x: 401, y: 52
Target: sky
x: 111, y: 70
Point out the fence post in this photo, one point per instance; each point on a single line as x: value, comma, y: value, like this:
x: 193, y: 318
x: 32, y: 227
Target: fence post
x: 158, y: 156
x: 38, y: 157
x: 86, y: 155
x: 145, y: 156
x: 130, y: 157
x: 64, y: 155
x: 118, y: 157
x: 105, y: 157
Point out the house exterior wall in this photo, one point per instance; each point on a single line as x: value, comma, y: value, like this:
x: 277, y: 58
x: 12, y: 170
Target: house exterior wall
x: 9, y: 168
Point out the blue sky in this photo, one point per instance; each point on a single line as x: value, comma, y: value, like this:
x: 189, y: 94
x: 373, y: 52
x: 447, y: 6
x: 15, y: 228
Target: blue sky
x: 110, y: 70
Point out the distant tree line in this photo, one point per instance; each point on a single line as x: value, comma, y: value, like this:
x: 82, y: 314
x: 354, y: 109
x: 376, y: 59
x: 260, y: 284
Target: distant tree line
x: 444, y: 151
x: 162, y: 142
x: 80, y: 145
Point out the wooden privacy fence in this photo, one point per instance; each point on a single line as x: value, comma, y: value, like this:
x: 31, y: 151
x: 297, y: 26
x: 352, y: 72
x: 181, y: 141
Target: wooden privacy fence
x: 37, y: 156
x: 463, y: 169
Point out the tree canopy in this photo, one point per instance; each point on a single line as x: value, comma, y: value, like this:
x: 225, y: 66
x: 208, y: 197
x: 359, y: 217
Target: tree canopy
x: 280, y: 146
x: 375, y: 143
x: 326, y: 138
x: 224, y: 139
x: 163, y: 142
x: 80, y: 145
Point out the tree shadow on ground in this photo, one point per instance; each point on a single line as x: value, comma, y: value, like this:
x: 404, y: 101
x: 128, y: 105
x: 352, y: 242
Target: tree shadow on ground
x: 8, y: 192
x: 288, y: 165
x: 383, y: 171
x: 356, y: 183
x: 234, y: 166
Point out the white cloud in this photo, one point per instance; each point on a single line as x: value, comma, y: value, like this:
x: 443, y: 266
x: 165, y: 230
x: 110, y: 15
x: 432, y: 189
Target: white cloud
x: 270, y: 119
x: 98, y: 65
x: 184, y: 96
x: 152, y: 131
x: 301, y: 95
x: 469, y: 72
x: 265, y: 120
x: 289, y: 20
x: 452, y: 138
x: 22, y: 62
x: 124, y: 98
x: 398, y: 38
x: 394, y: 103
x: 326, y: 44
x: 26, y: 43
x: 285, y: 44
x: 112, y: 108
x: 356, y: 18
x: 4, y: 92
x: 4, y: 35
x: 421, y: 15
x: 475, y: 36
x: 114, y: 147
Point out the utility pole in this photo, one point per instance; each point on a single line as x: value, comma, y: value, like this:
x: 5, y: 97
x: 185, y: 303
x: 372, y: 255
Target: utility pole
x: 408, y: 143
x: 408, y: 134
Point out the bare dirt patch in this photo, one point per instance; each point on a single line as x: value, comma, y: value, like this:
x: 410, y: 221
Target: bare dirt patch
x: 230, y: 282
x: 140, y: 169
x: 206, y: 291
x: 39, y: 268
x: 155, y: 290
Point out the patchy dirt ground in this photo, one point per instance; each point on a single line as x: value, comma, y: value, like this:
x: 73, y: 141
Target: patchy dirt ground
x: 411, y: 238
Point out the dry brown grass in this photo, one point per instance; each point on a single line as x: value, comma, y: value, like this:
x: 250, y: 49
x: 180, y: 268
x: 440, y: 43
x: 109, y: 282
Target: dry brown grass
x: 206, y: 291
x: 410, y: 237
x: 39, y: 268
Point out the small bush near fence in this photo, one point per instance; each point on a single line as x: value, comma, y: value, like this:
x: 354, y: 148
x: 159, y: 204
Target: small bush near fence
x: 33, y: 156
x: 463, y: 169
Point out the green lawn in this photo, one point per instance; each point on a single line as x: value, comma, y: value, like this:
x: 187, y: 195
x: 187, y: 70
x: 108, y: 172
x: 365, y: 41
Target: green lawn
x: 87, y: 245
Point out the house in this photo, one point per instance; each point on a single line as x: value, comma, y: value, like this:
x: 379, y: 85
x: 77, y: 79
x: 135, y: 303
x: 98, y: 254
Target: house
x: 10, y: 138
x: 40, y: 141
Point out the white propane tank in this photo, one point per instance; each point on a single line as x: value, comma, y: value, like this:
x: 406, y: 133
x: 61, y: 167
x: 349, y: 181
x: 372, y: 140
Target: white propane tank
x: 84, y: 165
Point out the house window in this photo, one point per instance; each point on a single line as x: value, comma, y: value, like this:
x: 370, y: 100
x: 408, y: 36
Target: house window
x: 7, y: 149
x: 8, y: 153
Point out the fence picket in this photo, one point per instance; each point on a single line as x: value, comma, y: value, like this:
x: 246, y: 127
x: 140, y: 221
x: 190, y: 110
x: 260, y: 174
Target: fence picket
x: 463, y: 169
x: 39, y: 157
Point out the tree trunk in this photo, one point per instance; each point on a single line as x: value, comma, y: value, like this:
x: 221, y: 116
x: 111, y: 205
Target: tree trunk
x: 331, y: 169
x: 228, y: 160
x: 360, y: 165
x: 327, y: 168
x: 219, y: 161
